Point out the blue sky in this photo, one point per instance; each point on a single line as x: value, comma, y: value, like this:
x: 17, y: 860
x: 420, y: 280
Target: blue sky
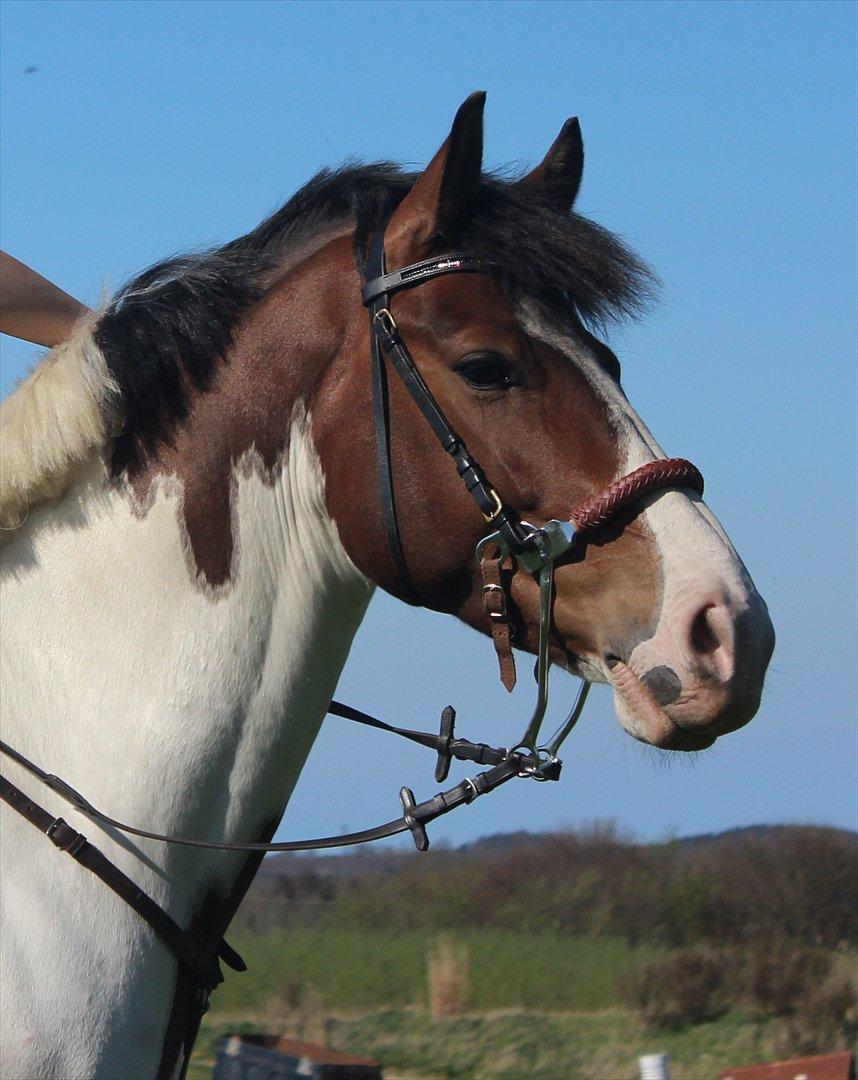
x: 720, y: 141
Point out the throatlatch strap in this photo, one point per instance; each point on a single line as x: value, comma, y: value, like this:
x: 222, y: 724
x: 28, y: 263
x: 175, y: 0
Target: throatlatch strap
x: 494, y: 598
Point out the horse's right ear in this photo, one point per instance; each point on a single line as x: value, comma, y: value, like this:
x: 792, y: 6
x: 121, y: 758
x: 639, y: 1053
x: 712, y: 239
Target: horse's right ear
x: 559, y: 172
x: 442, y: 197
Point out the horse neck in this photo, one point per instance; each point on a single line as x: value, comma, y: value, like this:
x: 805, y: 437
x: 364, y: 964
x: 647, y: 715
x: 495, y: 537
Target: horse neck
x: 169, y: 702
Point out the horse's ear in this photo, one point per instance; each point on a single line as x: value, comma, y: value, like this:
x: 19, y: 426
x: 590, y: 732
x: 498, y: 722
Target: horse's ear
x: 443, y: 195
x: 559, y: 172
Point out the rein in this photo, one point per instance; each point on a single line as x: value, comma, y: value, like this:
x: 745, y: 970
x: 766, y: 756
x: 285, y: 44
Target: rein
x: 513, y: 545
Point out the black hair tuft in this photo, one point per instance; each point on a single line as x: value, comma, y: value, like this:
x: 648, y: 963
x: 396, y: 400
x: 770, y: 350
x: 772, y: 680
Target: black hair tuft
x: 166, y: 329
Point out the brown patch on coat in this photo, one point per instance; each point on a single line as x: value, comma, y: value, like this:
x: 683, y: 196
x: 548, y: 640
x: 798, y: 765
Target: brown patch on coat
x: 240, y: 425
x: 546, y: 447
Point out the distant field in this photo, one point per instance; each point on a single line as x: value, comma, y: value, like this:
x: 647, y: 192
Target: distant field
x: 760, y: 926
x: 353, y: 970
x: 541, y: 1005
x: 515, y: 1045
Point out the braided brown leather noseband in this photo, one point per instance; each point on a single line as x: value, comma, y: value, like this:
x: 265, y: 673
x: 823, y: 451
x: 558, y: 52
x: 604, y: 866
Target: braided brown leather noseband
x: 631, y: 488
x: 514, y: 544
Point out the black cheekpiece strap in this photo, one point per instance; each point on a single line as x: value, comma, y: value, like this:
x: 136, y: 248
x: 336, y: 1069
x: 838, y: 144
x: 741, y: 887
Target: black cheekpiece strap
x: 387, y: 341
x: 381, y: 414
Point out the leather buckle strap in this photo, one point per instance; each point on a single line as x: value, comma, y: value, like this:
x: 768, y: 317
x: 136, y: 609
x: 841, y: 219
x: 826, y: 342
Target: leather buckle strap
x: 495, y: 601
x: 386, y: 341
x: 385, y: 327
x: 198, y: 960
x: 389, y: 341
x: 497, y: 591
x: 66, y: 838
x: 496, y: 509
x: 384, y: 466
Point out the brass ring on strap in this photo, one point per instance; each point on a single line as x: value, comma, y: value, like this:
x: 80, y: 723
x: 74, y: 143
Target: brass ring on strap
x: 497, y: 508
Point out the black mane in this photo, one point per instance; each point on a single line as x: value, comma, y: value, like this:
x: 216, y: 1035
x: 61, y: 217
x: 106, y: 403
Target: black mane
x: 165, y: 330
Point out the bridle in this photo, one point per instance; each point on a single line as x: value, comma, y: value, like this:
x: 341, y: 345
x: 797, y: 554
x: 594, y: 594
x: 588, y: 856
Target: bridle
x: 513, y: 544
x: 534, y: 549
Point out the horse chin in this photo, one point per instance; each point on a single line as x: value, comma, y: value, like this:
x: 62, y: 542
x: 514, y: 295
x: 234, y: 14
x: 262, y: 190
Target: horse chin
x: 644, y: 719
x: 589, y: 668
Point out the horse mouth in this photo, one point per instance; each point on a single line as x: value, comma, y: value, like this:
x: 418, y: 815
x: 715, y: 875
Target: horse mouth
x: 642, y: 716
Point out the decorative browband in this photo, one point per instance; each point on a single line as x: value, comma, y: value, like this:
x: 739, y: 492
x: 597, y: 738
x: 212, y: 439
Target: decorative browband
x: 416, y: 273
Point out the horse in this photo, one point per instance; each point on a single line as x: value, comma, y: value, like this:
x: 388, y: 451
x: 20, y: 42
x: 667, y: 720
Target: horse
x: 194, y: 527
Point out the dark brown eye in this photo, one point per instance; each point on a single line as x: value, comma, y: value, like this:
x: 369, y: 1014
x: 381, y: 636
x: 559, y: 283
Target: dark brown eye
x: 488, y: 371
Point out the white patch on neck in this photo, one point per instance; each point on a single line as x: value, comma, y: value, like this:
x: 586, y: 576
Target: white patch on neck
x: 169, y: 706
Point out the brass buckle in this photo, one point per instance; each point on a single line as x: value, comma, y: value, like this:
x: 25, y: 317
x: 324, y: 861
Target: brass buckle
x: 498, y: 504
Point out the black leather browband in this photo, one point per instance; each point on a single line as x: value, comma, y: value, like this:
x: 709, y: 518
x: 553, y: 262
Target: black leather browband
x: 416, y: 273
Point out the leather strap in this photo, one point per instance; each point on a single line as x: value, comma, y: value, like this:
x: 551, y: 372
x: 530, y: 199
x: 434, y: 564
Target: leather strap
x: 386, y: 341
x: 488, y: 502
x: 349, y: 712
x: 495, y: 600
x: 74, y: 797
x: 384, y: 284
x: 381, y: 414
x: 199, y: 962
x: 422, y: 813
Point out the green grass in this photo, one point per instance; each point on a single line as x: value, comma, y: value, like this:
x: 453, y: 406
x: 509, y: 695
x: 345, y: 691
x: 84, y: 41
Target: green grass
x: 542, y: 1005
x: 511, y: 1046
x: 353, y: 970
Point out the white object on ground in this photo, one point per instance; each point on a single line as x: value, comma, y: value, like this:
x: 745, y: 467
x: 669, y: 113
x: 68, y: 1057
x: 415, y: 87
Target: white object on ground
x: 653, y: 1067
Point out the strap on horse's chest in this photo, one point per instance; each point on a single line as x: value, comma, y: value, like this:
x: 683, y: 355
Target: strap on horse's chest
x: 199, y: 961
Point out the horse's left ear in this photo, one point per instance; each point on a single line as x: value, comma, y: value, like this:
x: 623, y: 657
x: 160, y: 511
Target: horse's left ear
x: 559, y: 172
x: 443, y: 195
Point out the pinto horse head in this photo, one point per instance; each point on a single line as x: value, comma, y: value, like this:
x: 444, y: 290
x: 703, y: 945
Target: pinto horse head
x: 215, y: 356
x: 193, y: 522
x: 657, y: 603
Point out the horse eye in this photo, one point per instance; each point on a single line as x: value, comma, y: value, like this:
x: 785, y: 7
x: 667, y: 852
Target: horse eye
x: 488, y: 371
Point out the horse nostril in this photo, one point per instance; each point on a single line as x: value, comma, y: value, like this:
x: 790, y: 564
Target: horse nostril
x: 703, y: 637
x: 712, y: 639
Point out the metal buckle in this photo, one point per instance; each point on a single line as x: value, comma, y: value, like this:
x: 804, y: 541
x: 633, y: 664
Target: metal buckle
x: 497, y: 502
x: 386, y: 324
x: 69, y: 839
x: 523, y: 751
x: 502, y: 614
x: 542, y: 765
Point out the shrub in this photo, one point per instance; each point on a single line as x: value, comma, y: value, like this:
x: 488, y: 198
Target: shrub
x: 684, y: 989
x: 795, y: 882
x: 825, y: 1019
x: 778, y: 977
